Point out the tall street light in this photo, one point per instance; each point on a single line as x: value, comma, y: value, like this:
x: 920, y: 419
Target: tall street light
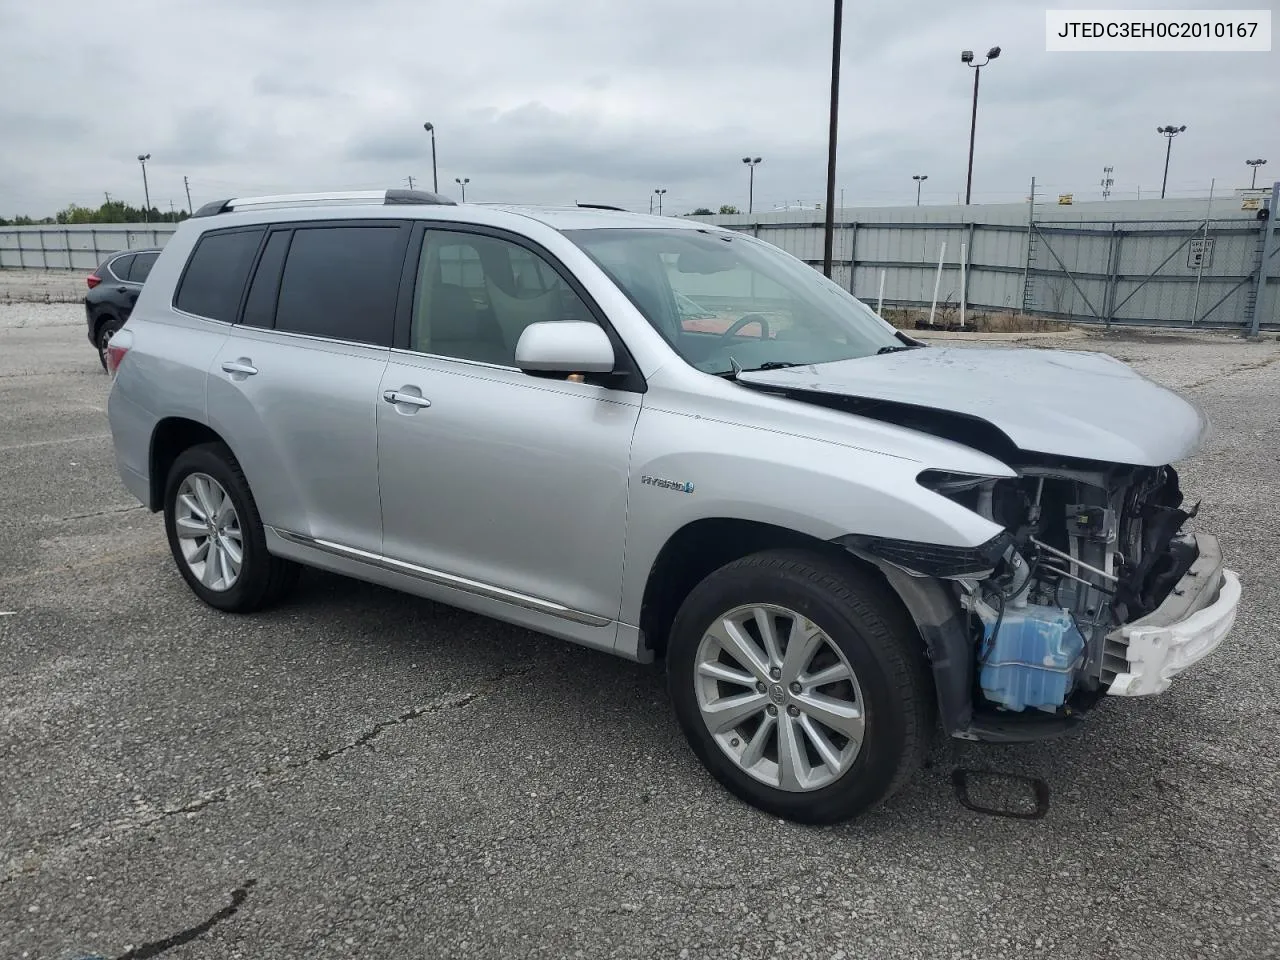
x: 919, y: 178
x: 1255, y: 164
x: 1168, y: 133
x: 828, y: 240
x: 462, y: 182
x: 966, y: 57
x: 431, y: 129
x: 146, y: 192
x: 659, y: 192
x: 751, y: 181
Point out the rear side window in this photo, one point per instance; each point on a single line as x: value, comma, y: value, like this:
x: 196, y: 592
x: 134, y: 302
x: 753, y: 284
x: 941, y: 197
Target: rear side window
x: 120, y: 267
x: 217, y: 272
x: 260, y: 305
x: 142, y: 264
x: 341, y: 282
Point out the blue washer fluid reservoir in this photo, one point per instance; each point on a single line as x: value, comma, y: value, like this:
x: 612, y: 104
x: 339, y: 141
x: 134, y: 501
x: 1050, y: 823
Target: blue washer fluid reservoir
x: 1033, y: 659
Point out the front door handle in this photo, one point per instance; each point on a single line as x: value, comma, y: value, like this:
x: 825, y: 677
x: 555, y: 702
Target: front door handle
x: 244, y: 366
x: 413, y: 400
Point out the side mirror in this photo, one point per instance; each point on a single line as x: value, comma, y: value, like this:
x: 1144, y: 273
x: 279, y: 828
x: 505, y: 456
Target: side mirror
x: 564, y: 346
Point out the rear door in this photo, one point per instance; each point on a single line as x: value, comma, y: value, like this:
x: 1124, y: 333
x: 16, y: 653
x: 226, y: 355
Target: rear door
x: 294, y: 388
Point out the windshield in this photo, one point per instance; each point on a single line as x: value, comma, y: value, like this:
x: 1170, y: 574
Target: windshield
x: 722, y: 299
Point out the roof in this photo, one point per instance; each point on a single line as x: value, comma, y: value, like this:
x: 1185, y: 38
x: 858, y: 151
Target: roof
x: 587, y: 218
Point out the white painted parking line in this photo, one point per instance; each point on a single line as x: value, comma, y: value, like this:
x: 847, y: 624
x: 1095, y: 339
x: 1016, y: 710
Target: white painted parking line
x: 46, y: 443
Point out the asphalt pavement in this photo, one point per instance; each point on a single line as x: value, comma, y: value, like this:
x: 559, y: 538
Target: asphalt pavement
x: 360, y: 773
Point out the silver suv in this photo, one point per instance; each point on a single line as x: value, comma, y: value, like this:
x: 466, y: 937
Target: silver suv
x: 667, y: 440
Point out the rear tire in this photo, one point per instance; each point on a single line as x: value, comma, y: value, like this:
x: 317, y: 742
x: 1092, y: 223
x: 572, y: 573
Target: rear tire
x: 804, y: 754
x: 211, y: 519
x: 106, y: 330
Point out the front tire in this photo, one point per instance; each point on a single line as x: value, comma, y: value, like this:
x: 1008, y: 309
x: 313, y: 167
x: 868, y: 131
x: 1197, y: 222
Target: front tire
x: 800, y: 685
x: 216, y: 536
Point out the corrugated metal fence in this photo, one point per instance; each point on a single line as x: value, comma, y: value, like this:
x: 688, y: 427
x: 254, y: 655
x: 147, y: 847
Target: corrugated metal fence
x: 1148, y: 263
x: 75, y: 247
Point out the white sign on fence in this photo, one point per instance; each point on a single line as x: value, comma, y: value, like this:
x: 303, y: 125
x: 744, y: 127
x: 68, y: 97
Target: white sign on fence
x: 1200, y: 253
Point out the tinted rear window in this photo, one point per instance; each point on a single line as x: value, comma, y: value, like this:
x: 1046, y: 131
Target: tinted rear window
x: 141, y: 268
x: 216, y: 274
x: 260, y: 305
x: 341, y: 282
x: 120, y: 267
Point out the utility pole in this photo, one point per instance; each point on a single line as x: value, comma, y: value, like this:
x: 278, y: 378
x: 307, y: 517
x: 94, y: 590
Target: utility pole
x: 829, y: 239
x: 410, y: 179
x: 107, y: 195
x: 187, y: 184
x: 173, y: 213
x: 1107, y: 181
x: 435, y: 181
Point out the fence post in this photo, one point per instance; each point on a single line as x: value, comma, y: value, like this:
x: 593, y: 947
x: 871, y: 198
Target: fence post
x: 1195, y: 309
x: 853, y: 255
x: 1269, y: 234
x: 937, y: 281
x: 1113, y: 268
x: 1026, y: 263
x: 880, y: 300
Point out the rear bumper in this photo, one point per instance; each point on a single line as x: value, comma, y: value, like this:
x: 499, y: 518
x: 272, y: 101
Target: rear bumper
x: 1193, y: 620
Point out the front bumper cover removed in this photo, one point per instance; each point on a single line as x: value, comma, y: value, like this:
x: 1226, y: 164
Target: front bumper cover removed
x: 1193, y: 620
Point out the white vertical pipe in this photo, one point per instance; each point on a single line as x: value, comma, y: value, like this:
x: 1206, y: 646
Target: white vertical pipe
x: 937, y: 282
x: 964, y: 281
x: 880, y: 300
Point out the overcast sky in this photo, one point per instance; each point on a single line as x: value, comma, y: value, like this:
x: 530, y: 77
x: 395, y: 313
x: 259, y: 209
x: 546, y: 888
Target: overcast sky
x: 601, y: 101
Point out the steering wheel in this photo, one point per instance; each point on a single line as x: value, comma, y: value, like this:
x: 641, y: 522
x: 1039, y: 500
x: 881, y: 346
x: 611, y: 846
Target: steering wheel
x: 745, y: 320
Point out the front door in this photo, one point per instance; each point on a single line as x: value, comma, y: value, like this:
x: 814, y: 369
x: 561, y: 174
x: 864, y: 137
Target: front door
x: 488, y: 474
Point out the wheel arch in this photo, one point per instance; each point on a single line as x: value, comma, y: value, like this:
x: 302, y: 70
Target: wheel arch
x: 702, y: 546
x: 169, y: 439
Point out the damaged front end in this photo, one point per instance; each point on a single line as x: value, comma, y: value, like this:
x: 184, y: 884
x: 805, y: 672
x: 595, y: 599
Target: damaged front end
x: 1092, y: 588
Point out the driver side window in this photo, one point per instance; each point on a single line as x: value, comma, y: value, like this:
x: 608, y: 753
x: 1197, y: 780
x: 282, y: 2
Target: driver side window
x: 476, y: 294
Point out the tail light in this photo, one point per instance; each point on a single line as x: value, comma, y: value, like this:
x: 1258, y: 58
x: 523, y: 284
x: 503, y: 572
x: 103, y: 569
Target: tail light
x: 92, y: 280
x: 116, y: 349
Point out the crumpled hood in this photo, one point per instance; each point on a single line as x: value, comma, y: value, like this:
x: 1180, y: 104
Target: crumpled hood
x: 1059, y: 402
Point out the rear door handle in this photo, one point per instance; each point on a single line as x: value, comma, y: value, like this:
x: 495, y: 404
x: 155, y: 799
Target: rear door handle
x: 413, y: 400
x: 243, y: 366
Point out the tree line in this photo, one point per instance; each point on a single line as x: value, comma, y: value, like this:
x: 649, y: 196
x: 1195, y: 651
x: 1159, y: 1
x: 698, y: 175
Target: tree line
x: 113, y: 211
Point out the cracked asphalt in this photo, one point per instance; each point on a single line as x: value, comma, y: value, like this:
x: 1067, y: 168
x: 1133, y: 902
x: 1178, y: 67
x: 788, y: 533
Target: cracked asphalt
x: 363, y: 774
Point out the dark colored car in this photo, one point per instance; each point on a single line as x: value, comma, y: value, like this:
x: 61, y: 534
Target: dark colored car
x: 113, y: 290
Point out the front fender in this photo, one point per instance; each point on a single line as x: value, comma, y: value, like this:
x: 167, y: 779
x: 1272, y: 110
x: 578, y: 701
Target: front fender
x: 688, y: 468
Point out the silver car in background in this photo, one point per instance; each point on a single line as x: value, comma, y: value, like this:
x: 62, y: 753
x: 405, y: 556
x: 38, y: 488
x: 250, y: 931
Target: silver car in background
x: 669, y: 441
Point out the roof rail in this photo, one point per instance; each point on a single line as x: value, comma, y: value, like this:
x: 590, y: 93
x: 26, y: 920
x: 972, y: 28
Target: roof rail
x: 384, y: 197
x: 602, y: 206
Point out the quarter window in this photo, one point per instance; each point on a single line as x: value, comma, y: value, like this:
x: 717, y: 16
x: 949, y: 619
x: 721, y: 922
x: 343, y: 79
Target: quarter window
x: 341, y: 282
x: 141, y: 269
x: 216, y: 274
x: 120, y: 266
x: 476, y: 294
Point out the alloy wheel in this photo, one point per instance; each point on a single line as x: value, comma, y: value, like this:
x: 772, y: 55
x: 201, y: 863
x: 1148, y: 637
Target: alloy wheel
x: 779, y: 697
x: 208, y: 530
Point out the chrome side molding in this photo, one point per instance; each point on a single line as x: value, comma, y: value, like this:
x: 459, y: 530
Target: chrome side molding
x: 440, y: 578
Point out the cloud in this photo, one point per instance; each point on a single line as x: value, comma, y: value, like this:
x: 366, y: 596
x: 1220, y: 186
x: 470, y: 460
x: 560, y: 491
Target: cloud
x: 590, y: 101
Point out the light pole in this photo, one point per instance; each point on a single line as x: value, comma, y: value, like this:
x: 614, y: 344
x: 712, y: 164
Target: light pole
x: 829, y: 228
x: 146, y: 191
x: 462, y: 182
x: 966, y: 57
x: 751, y: 181
x: 659, y: 192
x: 1255, y: 164
x: 431, y: 129
x: 919, y: 178
x: 1168, y: 133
